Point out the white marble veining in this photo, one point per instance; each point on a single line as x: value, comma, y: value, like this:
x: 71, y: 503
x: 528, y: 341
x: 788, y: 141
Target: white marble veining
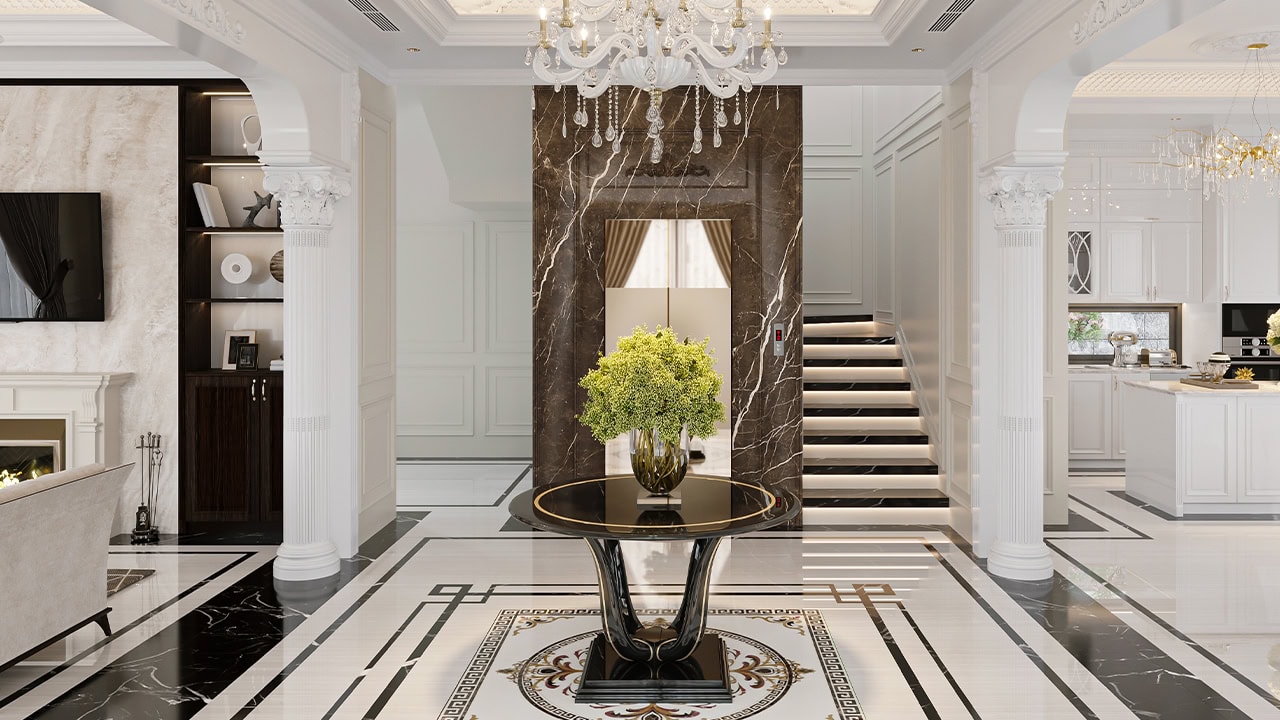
x: 123, y: 144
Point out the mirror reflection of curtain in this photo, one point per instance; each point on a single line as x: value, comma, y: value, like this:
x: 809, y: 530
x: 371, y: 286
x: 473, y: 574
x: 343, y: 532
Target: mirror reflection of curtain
x: 29, y: 231
x: 625, y: 240
x: 720, y: 237
x: 16, y: 301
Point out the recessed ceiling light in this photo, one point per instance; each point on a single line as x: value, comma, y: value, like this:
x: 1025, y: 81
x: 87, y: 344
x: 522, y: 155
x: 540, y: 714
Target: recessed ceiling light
x: 917, y: 50
x: 1176, y: 118
x: 413, y: 49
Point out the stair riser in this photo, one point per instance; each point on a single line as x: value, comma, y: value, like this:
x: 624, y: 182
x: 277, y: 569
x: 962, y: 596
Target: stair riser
x: 853, y: 362
x: 827, y: 319
x: 855, y: 375
x: 888, y: 502
x: 860, y: 412
x: 815, y: 518
x: 836, y: 469
x: 857, y: 386
x: 871, y: 482
x: 847, y: 340
x: 861, y: 351
x: 877, y: 440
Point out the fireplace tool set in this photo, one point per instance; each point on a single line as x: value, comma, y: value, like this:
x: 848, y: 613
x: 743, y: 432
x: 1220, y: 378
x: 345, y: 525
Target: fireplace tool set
x: 144, y: 530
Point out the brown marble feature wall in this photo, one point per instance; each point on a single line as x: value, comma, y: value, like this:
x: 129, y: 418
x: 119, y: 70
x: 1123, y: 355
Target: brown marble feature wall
x: 753, y: 179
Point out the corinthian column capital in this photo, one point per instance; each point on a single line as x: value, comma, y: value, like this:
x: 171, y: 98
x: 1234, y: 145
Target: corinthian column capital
x: 1020, y: 195
x: 307, y: 195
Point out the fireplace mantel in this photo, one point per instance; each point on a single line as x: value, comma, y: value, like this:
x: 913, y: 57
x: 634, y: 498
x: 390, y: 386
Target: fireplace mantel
x: 89, y: 404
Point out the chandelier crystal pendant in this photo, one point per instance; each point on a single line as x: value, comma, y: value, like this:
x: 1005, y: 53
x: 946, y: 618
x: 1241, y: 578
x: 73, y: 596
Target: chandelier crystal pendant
x: 1226, y: 158
x: 654, y: 45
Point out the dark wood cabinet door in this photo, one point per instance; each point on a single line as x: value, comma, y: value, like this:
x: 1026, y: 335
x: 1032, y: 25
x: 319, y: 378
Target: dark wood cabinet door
x: 271, y: 445
x: 220, y: 460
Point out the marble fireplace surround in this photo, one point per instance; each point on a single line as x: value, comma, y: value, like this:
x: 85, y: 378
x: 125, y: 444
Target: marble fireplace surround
x: 754, y: 179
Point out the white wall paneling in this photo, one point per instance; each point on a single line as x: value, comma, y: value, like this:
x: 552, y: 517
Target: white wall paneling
x: 509, y: 409
x: 436, y: 400
x: 957, y: 298
x: 377, y: 256
x: 834, y: 242
x: 435, y: 274
x: 508, y: 284
x: 884, y: 237
x: 833, y: 120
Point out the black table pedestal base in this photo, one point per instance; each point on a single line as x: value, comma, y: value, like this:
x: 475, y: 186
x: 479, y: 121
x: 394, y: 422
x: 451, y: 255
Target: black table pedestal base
x: 703, y: 677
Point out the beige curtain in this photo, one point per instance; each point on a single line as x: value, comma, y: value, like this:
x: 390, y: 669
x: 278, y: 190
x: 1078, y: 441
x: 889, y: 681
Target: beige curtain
x: 720, y: 235
x: 623, y: 240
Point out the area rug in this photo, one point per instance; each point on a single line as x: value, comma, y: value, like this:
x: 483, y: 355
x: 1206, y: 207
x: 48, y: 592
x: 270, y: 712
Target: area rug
x: 783, y: 664
x: 118, y: 580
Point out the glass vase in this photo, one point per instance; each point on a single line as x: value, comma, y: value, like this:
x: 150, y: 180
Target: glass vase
x: 659, y: 466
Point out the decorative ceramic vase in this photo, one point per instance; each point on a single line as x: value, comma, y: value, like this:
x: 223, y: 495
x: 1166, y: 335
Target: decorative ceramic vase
x: 659, y: 466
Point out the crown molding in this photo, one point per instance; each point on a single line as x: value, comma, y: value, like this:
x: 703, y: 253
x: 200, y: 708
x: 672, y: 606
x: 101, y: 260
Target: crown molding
x: 304, y: 25
x: 111, y: 70
x: 46, y: 7
x: 1008, y: 34
x: 1158, y: 83
x: 1100, y: 15
x: 450, y: 29
x: 71, y: 30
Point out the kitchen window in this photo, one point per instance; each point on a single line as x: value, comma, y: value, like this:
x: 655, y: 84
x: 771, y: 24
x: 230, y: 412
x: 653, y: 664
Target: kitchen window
x: 1158, y: 327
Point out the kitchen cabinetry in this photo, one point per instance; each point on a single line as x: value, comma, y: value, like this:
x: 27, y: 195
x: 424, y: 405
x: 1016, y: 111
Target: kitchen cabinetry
x: 1151, y: 262
x: 1095, y: 414
x: 1194, y: 450
x: 233, y: 459
x: 1250, y: 254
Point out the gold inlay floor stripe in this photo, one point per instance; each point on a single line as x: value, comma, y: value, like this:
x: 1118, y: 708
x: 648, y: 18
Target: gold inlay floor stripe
x: 537, y: 504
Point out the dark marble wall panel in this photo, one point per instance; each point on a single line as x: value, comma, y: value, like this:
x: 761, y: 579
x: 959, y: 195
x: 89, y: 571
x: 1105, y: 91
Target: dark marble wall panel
x: 754, y: 179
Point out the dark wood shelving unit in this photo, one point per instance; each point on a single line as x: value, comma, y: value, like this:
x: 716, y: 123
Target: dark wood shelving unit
x: 231, y: 422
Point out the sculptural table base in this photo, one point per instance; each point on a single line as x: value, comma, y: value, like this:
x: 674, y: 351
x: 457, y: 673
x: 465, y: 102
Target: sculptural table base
x: 634, y: 662
x: 703, y: 677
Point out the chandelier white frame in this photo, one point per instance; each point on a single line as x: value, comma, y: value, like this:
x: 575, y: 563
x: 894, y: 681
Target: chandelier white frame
x: 1224, y: 158
x: 654, y: 45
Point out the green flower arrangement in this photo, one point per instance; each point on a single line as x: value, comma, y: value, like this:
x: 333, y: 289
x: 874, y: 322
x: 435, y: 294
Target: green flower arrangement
x: 656, y: 382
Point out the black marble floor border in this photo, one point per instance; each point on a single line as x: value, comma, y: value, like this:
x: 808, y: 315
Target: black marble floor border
x: 1194, y: 517
x: 496, y: 503
x: 904, y: 666
x: 328, y: 632
x: 1169, y: 628
x: 1140, y: 535
x: 1085, y: 711
x: 179, y: 670
x: 946, y: 672
x: 52, y: 672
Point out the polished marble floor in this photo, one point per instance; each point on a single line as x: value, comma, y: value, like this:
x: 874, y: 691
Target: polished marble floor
x: 455, y: 613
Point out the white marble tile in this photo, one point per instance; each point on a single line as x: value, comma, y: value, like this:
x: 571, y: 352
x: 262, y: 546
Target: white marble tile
x: 420, y: 484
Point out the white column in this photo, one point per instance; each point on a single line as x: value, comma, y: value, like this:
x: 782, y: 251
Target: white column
x: 1020, y: 196
x: 307, y: 196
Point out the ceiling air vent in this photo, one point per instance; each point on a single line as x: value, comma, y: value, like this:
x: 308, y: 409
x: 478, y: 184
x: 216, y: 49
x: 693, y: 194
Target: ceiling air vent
x: 944, y: 21
x: 377, y: 18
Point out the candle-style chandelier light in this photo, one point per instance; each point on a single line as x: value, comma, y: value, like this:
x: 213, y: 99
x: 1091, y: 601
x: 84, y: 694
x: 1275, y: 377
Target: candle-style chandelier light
x: 1226, y: 158
x: 654, y: 45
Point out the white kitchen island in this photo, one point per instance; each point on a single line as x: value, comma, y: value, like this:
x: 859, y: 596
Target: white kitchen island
x: 1198, y: 450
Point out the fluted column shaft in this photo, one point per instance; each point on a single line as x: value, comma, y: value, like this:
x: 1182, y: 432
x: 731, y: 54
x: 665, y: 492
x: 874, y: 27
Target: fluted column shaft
x: 307, y: 196
x: 1020, y: 197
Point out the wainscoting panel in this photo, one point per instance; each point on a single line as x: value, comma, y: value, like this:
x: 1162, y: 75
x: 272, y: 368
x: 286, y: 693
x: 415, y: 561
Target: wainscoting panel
x: 884, y: 309
x: 510, y: 401
x: 837, y: 129
x: 439, y: 401
x: 436, y: 269
x: 834, y: 253
x: 508, y: 268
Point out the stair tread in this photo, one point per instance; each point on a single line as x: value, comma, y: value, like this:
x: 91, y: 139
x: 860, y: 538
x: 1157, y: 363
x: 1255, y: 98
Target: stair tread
x: 875, y: 492
x: 850, y: 340
x: 886, y: 362
x: 827, y: 461
x: 857, y: 385
x: 868, y: 432
x: 818, y: 319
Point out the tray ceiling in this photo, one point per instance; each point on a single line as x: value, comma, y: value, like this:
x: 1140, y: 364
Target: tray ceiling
x: 852, y: 8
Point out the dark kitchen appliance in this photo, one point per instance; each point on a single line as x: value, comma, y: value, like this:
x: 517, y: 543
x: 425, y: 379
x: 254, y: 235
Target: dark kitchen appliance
x: 1244, y: 338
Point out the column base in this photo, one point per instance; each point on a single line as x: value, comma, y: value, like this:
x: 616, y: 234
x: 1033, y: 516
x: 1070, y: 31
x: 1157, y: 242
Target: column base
x: 313, y: 561
x: 1016, y: 561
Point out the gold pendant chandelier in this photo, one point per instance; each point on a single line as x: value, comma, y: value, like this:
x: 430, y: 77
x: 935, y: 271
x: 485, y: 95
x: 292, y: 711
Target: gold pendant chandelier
x: 1226, y: 159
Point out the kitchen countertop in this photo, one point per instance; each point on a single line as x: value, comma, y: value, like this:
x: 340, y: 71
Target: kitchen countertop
x: 1123, y: 370
x: 1268, y: 388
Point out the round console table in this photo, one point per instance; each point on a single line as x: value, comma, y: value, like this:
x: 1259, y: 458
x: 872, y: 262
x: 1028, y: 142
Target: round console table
x: 630, y: 661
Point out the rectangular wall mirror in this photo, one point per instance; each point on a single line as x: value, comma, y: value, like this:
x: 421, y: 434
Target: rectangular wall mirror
x: 676, y: 274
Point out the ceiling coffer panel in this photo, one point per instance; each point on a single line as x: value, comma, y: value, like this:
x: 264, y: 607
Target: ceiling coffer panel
x: 374, y: 15
x: 950, y: 15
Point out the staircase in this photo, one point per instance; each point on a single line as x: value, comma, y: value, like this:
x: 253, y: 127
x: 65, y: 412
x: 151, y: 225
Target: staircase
x: 867, y: 457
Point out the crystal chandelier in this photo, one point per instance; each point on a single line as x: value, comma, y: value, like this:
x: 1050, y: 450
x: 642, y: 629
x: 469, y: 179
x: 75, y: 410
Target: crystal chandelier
x: 654, y: 45
x: 1225, y: 157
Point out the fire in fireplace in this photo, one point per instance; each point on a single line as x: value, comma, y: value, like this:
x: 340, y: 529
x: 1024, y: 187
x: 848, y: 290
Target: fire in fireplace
x: 28, y: 459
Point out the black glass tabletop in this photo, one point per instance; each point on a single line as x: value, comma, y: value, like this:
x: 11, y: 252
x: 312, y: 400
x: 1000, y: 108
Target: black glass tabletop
x: 608, y: 507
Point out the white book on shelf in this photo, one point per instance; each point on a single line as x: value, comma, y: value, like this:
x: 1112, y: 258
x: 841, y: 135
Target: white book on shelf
x: 212, y: 210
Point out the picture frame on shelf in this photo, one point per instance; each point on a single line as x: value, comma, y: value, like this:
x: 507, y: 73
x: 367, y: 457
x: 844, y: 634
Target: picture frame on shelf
x: 212, y: 209
x: 248, y: 357
x: 231, y: 344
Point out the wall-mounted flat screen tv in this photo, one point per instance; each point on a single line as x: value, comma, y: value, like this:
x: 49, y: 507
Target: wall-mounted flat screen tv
x: 51, y: 257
